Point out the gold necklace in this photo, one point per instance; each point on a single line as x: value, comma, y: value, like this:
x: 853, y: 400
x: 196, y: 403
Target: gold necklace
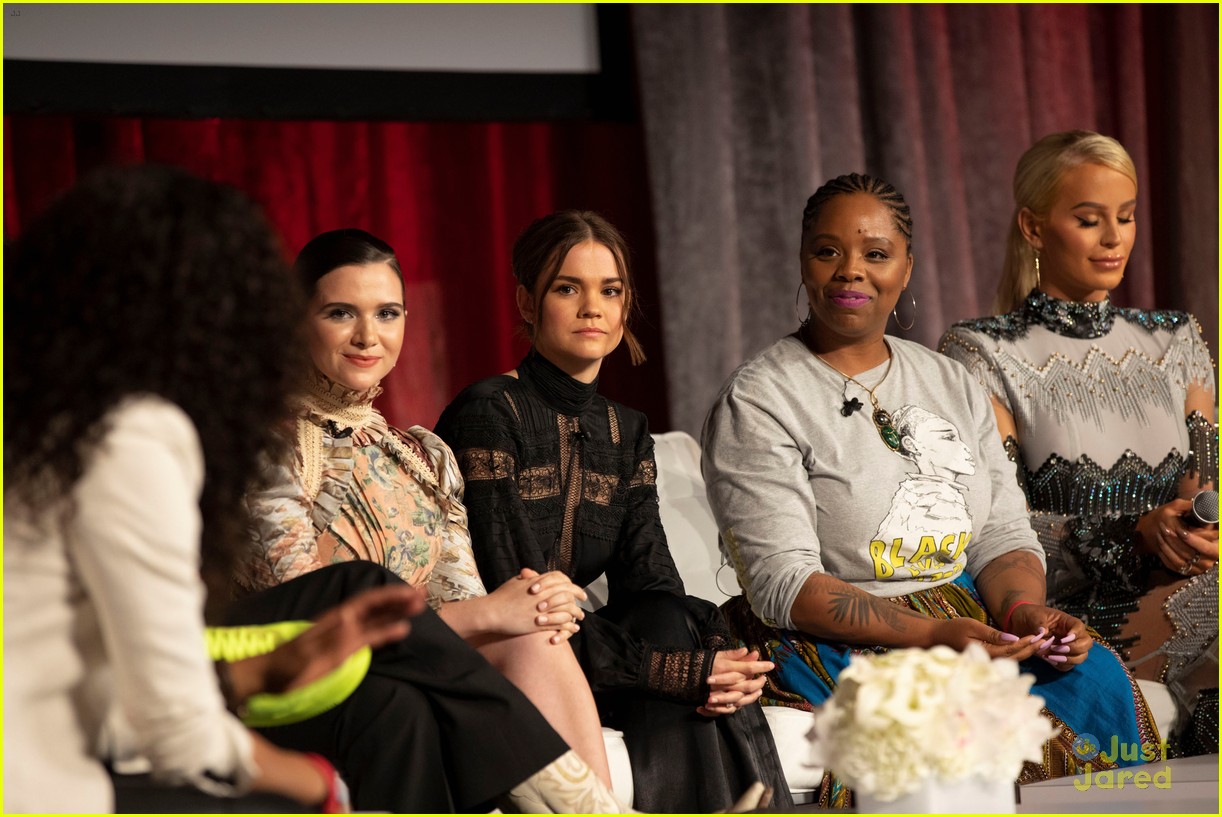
x: 882, y: 420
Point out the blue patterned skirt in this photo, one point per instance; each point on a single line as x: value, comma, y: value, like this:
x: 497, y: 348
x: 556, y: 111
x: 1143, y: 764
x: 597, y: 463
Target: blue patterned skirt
x: 1098, y: 699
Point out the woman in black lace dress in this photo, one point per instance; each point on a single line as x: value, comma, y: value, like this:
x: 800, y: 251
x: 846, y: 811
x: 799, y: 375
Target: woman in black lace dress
x: 560, y: 478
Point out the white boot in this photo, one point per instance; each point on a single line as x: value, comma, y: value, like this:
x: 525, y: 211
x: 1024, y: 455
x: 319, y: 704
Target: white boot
x: 565, y: 786
x: 568, y: 786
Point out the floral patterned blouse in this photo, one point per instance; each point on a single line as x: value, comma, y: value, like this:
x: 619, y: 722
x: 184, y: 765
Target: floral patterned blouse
x: 356, y: 488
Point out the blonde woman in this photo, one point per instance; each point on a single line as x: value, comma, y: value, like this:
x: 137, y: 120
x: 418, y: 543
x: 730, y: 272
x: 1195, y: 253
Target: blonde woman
x: 1109, y: 414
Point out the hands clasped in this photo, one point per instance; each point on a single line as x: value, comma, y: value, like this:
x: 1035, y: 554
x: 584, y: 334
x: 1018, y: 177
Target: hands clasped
x: 1036, y: 630
x: 737, y: 680
x: 530, y: 602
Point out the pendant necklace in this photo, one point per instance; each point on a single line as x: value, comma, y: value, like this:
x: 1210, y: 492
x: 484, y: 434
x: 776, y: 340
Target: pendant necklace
x: 882, y: 420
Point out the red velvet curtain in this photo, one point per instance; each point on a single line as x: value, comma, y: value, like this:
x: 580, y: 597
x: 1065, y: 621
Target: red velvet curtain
x: 450, y: 197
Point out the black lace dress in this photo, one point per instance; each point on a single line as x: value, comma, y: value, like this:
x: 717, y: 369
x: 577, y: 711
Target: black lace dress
x: 560, y: 478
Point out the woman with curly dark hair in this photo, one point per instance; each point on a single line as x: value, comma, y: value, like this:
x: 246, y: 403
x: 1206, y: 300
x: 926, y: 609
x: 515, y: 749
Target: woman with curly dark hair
x: 147, y: 312
x: 151, y: 358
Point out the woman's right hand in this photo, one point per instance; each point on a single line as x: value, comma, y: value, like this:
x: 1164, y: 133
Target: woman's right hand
x: 371, y: 618
x: 530, y: 602
x: 958, y: 633
x: 1183, y: 550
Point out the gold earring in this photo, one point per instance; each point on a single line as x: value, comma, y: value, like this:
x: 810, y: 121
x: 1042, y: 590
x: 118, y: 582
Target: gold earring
x: 1037, y: 270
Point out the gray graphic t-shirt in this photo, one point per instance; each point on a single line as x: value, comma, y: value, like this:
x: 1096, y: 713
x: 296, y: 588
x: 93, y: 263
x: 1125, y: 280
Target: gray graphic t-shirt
x: 797, y: 487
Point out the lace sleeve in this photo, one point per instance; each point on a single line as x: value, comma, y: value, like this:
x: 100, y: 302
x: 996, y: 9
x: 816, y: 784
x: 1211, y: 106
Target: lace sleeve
x: 679, y: 674
x: 643, y: 560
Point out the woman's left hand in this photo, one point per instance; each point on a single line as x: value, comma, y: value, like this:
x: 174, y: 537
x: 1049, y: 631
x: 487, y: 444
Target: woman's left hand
x: 530, y: 602
x: 1065, y: 641
x: 737, y: 681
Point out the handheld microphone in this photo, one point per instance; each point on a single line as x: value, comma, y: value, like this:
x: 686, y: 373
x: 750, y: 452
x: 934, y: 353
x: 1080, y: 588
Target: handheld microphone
x: 1204, y: 511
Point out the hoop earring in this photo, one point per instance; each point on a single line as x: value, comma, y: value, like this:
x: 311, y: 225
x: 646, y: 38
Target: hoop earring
x: 1037, y: 270
x: 895, y: 312
x: 796, y: 297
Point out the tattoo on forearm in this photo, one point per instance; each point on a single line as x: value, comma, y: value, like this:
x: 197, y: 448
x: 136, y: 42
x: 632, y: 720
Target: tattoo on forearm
x: 1009, y: 599
x: 859, y: 609
x: 1020, y: 561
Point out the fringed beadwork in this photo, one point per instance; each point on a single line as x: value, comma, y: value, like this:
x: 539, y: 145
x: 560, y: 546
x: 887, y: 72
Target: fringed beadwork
x: 1100, y: 387
x: 1203, y: 448
x: 1082, y: 486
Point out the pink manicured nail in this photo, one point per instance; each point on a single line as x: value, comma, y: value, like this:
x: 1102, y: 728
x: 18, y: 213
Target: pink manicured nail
x: 1061, y: 650
x: 1009, y: 637
x: 1055, y: 659
x: 1068, y: 638
x: 1047, y: 644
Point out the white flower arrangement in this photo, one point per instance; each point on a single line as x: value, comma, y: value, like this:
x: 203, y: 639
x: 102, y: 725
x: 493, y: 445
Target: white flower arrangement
x: 909, y: 716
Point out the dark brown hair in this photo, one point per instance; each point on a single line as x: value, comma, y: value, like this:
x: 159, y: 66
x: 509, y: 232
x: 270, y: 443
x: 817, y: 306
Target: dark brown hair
x: 146, y: 280
x: 540, y: 250
x: 331, y: 250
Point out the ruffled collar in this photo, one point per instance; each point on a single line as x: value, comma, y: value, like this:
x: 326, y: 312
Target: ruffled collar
x: 1073, y: 319
x: 559, y: 391
x: 337, y: 407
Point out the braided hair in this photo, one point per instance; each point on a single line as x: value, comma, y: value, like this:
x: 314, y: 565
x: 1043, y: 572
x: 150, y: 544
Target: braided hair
x: 861, y: 183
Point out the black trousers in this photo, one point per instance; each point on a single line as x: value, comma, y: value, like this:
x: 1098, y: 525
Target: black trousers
x: 140, y: 794
x: 432, y: 728
x: 681, y: 760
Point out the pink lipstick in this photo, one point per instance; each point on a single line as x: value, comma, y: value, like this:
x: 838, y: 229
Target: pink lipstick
x: 849, y: 299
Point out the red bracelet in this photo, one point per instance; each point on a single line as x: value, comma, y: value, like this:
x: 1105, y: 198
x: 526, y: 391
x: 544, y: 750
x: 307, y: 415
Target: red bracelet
x: 337, y: 792
x: 1005, y: 624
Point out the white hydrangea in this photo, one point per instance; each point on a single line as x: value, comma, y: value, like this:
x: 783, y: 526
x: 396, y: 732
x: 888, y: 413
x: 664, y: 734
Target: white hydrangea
x: 906, y: 716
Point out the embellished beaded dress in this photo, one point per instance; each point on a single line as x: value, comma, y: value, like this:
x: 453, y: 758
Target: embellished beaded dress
x: 560, y: 478
x: 1098, y: 397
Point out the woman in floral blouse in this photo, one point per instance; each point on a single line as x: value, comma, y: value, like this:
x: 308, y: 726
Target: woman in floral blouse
x: 356, y: 488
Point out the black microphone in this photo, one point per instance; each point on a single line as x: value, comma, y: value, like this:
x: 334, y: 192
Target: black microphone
x: 1204, y: 511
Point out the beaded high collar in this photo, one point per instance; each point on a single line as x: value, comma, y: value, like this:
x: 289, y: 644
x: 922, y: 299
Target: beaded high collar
x: 559, y: 391
x: 326, y: 401
x: 1073, y: 319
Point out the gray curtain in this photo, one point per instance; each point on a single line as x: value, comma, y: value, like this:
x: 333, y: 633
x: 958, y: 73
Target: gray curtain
x: 747, y: 109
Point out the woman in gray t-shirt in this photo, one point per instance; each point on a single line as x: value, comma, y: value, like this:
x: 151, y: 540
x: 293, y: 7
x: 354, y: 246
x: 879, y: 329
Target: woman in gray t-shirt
x: 865, y: 501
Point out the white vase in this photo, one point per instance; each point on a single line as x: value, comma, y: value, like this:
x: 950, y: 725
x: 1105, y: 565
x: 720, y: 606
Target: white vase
x: 968, y: 795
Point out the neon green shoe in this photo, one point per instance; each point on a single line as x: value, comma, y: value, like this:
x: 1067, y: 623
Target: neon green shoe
x: 280, y: 709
